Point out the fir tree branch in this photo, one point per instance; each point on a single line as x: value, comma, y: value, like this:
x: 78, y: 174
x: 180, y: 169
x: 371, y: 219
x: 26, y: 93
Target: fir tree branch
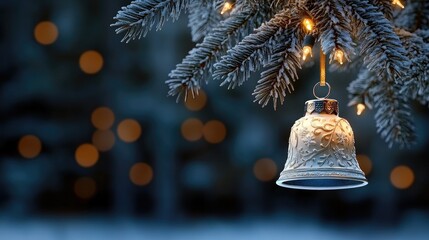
x: 416, y: 81
x: 203, y: 17
x: 334, y: 27
x: 383, y: 51
x: 385, y: 6
x: 247, y: 56
x: 281, y: 69
x: 415, y: 16
x: 138, y: 18
x: 393, y: 113
x: 197, y: 64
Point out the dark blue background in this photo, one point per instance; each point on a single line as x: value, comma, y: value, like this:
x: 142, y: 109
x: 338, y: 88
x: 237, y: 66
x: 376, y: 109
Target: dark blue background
x: 199, y: 190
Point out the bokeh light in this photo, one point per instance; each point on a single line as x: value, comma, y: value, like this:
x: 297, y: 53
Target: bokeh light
x: 402, y: 177
x: 85, y: 187
x: 46, y: 32
x: 102, y: 118
x: 141, y: 174
x: 265, y: 169
x: 364, y: 163
x: 214, y: 131
x: 103, y: 140
x: 192, y: 129
x: 129, y: 130
x: 91, y: 62
x: 86, y: 155
x: 29, y: 146
x: 197, y: 103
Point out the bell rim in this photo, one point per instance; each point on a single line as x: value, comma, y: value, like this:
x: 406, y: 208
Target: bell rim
x: 290, y: 175
x: 359, y: 183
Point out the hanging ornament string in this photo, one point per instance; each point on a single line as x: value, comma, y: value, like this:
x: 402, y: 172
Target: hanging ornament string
x: 322, y: 68
x: 322, y: 81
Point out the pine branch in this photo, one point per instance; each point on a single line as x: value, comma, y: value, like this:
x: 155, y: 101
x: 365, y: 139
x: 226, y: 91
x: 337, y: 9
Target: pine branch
x: 197, y: 64
x: 393, y: 113
x: 383, y: 51
x: 203, y: 17
x: 416, y: 81
x: 385, y: 6
x: 334, y: 27
x: 248, y: 56
x: 281, y: 70
x: 415, y: 16
x: 138, y: 18
x: 359, y: 89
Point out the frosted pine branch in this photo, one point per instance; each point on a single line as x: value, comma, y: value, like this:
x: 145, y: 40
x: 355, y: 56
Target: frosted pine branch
x: 417, y: 79
x: 248, y: 56
x: 196, y: 65
x: 382, y: 50
x: 139, y: 17
x: 203, y: 17
x: 334, y: 26
x: 393, y: 113
x: 281, y: 70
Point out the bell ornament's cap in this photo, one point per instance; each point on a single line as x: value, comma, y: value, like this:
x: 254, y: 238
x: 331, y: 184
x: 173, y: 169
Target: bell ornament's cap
x: 322, y: 105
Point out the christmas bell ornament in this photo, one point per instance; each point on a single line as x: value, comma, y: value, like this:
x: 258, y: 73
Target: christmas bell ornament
x: 321, y: 153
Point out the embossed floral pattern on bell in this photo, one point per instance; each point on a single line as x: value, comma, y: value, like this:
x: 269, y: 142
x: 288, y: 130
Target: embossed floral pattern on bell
x: 321, y: 153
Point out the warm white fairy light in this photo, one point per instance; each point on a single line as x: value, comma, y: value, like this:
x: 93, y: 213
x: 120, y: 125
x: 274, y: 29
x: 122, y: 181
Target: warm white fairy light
x: 306, y: 51
x: 308, y: 24
x: 398, y: 2
x: 227, y: 6
x: 339, y: 56
x: 360, y: 108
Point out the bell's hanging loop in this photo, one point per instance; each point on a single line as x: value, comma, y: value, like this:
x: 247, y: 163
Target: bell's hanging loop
x: 319, y: 84
x: 321, y: 153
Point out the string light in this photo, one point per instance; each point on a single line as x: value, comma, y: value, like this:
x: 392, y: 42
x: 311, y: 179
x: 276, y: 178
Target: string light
x: 360, y: 108
x: 227, y: 7
x: 398, y: 2
x: 307, y: 51
x: 339, y: 56
x: 308, y: 24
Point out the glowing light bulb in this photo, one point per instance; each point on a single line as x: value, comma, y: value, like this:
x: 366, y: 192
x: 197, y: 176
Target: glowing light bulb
x: 339, y: 56
x: 398, y: 2
x: 308, y: 24
x: 227, y: 6
x: 360, y: 108
x: 307, y: 51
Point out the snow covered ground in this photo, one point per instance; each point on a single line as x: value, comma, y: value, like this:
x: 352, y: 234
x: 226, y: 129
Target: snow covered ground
x: 111, y: 229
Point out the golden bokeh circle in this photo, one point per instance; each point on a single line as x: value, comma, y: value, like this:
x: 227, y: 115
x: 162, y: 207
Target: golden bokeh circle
x: 192, y: 129
x: 196, y: 103
x: 91, y: 62
x: 364, y: 163
x: 214, y: 131
x: 46, y: 32
x: 29, y: 146
x: 102, y: 118
x: 265, y: 169
x: 402, y: 177
x: 129, y: 130
x: 86, y: 155
x: 103, y: 140
x: 85, y: 187
x: 141, y: 174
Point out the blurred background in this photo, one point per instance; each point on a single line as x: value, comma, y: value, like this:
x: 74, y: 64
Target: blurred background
x: 91, y: 147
